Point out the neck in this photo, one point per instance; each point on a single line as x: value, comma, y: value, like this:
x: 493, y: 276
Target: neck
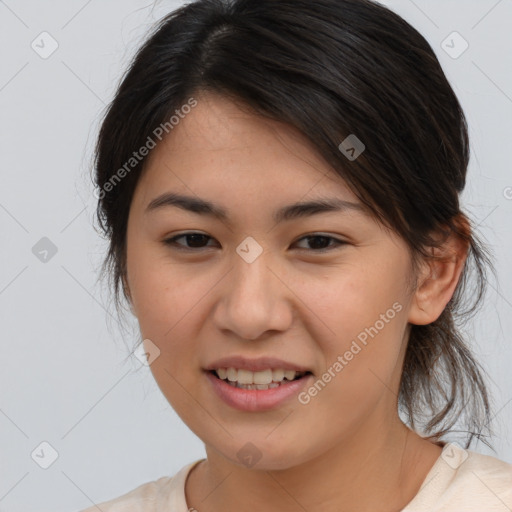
x: 376, y: 467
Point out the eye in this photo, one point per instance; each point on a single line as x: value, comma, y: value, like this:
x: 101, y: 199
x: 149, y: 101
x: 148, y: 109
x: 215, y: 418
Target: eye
x: 322, y: 241
x: 196, y: 240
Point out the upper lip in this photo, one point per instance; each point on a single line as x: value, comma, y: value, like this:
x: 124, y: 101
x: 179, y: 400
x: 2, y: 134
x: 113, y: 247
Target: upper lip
x: 255, y: 365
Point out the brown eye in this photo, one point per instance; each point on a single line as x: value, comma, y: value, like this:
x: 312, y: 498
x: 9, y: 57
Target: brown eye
x: 198, y: 241
x: 194, y: 241
x: 320, y: 243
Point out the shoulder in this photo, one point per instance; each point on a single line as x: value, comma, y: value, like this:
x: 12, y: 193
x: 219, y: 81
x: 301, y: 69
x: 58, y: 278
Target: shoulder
x: 486, y: 476
x: 144, y: 497
x: 488, y: 464
x: 465, y: 480
x: 150, y: 496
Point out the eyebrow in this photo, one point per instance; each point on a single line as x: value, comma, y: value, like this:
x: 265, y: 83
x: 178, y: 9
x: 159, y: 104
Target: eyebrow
x: 285, y: 213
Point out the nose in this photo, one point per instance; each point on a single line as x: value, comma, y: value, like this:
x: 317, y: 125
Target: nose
x: 254, y: 301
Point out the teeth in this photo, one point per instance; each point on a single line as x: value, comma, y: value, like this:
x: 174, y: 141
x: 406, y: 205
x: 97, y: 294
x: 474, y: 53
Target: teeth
x: 264, y: 377
x: 277, y: 375
x: 254, y: 386
x: 256, y: 380
x: 245, y: 377
x: 289, y: 374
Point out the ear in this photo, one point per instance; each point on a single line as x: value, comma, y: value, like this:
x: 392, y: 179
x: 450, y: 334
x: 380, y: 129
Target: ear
x: 437, y: 281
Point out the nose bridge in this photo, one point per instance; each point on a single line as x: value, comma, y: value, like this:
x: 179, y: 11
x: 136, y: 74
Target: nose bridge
x: 252, y: 263
x: 252, y: 280
x: 252, y: 301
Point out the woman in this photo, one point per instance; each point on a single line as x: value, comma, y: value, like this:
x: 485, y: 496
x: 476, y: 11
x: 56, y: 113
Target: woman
x: 279, y: 182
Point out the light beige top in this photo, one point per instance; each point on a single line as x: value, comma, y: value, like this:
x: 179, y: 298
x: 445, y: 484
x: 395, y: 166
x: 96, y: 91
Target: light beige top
x: 459, y: 481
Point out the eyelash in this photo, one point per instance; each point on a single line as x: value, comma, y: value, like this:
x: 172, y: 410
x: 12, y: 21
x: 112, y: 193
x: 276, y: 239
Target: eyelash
x: 172, y: 242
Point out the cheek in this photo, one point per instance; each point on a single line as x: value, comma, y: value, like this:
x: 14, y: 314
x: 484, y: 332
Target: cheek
x: 166, y: 299
x: 365, y: 311
x: 160, y: 290
x: 359, y: 376
x: 354, y: 300
x: 167, y: 307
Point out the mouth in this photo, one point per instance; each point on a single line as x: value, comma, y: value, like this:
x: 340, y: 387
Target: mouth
x: 256, y: 385
x: 269, y: 378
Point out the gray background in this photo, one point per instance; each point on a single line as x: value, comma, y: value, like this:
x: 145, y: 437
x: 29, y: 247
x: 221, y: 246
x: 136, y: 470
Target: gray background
x: 66, y: 378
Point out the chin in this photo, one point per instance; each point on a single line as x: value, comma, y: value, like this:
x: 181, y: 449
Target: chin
x: 263, y: 455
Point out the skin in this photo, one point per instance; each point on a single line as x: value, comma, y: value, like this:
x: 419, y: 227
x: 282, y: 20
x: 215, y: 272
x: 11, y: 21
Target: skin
x: 347, y: 448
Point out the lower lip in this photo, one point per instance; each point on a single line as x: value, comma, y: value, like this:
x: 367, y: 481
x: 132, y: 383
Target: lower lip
x: 256, y: 399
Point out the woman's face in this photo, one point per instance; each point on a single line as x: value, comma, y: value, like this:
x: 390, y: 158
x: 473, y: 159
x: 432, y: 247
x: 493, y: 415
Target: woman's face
x: 251, y: 292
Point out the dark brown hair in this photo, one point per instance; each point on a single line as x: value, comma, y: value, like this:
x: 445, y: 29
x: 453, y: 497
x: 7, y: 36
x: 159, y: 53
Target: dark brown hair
x: 330, y: 68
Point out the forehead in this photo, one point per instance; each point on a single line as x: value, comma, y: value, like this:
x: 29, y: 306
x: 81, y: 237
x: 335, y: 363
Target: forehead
x: 221, y: 149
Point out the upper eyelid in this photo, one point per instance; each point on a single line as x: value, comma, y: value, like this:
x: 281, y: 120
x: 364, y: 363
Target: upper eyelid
x: 312, y: 234
x: 173, y: 238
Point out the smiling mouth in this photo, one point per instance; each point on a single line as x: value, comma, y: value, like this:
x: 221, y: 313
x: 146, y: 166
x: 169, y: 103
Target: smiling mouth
x: 261, y: 380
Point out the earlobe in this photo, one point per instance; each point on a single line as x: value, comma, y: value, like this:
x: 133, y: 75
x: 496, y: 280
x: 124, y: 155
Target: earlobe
x: 438, y: 281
